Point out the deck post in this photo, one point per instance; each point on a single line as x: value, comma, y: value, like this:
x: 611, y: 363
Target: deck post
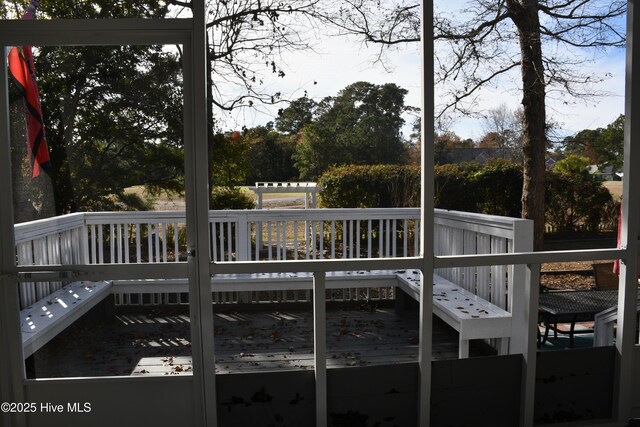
x: 197, y: 219
x: 628, y: 290
x: 523, y: 306
x: 243, y: 242
x: 528, y: 319
x: 320, y: 346
x: 11, y: 362
x: 426, y: 216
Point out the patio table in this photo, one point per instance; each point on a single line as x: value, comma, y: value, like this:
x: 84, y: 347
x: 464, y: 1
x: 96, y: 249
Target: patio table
x: 573, y: 307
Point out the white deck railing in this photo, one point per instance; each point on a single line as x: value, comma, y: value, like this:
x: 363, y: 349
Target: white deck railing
x: 159, y: 236
x: 604, y: 326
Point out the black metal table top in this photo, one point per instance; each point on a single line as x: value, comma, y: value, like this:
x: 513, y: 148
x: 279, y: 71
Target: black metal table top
x: 577, y: 302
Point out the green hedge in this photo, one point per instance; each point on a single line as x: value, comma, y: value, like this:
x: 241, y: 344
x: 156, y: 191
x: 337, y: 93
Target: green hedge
x: 576, y: 202
x: 377, y: 186
x: 573, y: 202
x: 223, y: 198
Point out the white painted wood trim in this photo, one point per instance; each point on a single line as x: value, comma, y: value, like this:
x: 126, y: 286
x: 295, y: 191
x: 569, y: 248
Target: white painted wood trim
x: 45, y: 319
x: 320, y: 347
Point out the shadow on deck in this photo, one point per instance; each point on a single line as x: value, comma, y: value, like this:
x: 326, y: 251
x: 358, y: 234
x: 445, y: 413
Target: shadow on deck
x: 157, y: 340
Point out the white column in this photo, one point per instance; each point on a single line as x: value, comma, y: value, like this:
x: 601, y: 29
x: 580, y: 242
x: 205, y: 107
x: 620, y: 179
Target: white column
x: 197, y: 217
x: 529, y: 320
x: 523, y: 305
x: 628, y: 290
x: 426, y: 216
x: 11, y: 362
x: 320, y: 347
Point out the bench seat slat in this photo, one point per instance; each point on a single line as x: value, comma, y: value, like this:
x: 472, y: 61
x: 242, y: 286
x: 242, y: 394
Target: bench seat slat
x: 470, y: 315
x: 49, y: 316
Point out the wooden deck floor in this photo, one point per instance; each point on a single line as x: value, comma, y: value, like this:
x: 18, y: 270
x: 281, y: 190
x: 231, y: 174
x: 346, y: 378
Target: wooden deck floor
x: 157, y: 342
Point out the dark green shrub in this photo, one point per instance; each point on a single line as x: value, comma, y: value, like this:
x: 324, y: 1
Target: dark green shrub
x: 231, y: 198
x: 452, y: 188
x: 377, y: 186
x: 497, y: 188
x: 575, y: 202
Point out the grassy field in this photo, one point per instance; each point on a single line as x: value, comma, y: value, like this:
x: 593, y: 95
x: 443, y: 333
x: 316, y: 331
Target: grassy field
x: 615, y: 188
x: 168, y: 201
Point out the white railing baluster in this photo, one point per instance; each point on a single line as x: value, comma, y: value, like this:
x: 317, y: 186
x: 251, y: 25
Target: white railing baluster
x: 295, y: 239
x: 269, y: 242
x: 358, y: 238
x: 394, y: 236
x: 344, y: 239
x: 333, y: 239
x: 93, y: 244
x: 482, y: 273
x: 119, y: 245
x: 215, y: 241
x: 498, y: 275
x: 307, y: 242
x: 243, y: 242
x: 149, y: 242
x: 127, y: 255
x: 350, y: 237
x: 258, y: 228
x: 176, y: 242
x: 388, y: 242
x: 112, y: 249
x: 229, y: 242
x: 369, y: 239
x: 381, y: 239
x: 283, y: 239
x: 314, y: 252
x: 405, y: 238
x: 416, y: 238
x: 157, y: 241
x: 239, y: 244
x: 100, y: 244
x: 469, y: 275
x: 163, y: 239
x: 138, y: 244
x: 321, y: 237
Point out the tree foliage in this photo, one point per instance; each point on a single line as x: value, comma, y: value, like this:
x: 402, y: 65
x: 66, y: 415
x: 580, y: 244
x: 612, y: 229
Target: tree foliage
x: 360, y: 126
x: 296, y: 116
x: 270, y: 156
x: 602, y: 146
x: 445, y: 143
x: 572, y: 165
x: 229, y: 164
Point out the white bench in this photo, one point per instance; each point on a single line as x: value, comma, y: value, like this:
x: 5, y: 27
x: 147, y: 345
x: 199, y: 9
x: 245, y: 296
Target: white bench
x: 470, y: 315
x: 49, y: 316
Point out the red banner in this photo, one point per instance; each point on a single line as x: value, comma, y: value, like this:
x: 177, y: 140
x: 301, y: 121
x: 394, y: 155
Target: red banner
x: 22, y: 72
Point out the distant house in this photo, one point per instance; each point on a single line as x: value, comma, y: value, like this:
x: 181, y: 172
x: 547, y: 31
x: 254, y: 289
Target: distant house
x: 604, y: 174
x: 550, y: 162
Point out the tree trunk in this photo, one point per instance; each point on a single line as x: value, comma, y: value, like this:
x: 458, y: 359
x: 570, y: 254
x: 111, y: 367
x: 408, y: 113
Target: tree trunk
x: 524, y: 14
x: 61, y: 143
